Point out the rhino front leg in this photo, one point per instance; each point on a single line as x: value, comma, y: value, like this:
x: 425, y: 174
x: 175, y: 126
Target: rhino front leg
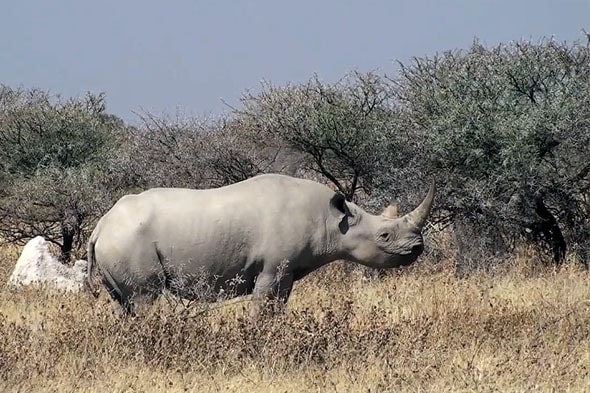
x: 270, y: 291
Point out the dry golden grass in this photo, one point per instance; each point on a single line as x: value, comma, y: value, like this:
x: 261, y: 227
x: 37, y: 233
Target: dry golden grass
x: 418, y: 330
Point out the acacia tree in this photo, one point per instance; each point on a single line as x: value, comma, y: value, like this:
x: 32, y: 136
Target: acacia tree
x: 343, y: 129
x: 233, y: 153
x: 58, y: 165
x: 507, y: 130
x: 167, y: 151
x: 198, y: 153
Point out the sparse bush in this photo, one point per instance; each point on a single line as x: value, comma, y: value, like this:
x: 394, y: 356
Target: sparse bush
x: 167, y: 151
x: 233, y: 153
x: 198, y: 153
x: 343, y: 129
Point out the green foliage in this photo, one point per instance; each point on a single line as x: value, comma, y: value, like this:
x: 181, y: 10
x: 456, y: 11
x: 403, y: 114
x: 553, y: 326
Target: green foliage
x: 38, y: 134
x: 58, y: 166
x: 504, y: 127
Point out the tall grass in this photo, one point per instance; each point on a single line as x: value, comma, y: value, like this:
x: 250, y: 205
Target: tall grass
x: 417, y: 330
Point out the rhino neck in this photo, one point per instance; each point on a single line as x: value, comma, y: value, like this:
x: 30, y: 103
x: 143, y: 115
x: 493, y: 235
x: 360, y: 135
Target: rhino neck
x: 358, y: 243
x: 337, y: 244
x: 326, y: 247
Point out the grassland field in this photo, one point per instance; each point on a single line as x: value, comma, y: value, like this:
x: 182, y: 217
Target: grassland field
x: 525, y: 328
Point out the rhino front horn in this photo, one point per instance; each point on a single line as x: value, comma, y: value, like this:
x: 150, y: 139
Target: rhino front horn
x: 419, y: 215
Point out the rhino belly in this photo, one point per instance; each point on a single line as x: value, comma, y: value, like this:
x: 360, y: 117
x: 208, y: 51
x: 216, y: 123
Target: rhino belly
x: 209, y: 276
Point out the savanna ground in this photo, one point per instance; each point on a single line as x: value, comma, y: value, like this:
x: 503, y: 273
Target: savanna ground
x: 421, y: 329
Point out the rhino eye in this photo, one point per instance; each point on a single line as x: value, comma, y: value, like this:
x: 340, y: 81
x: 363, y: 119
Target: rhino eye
x: 385, y: 236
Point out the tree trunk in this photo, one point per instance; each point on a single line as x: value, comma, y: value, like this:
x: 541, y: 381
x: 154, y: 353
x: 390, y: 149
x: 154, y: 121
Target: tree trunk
x: 551, y: 231
x: 67, y: 244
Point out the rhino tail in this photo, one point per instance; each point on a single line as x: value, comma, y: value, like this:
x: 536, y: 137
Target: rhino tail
x: 88, y: 283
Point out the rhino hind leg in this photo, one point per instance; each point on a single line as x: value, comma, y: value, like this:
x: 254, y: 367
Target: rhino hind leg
x: 127, y: 289
x: 115, y: 292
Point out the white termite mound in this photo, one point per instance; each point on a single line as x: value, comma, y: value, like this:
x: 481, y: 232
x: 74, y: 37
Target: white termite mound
x: 36, y: 266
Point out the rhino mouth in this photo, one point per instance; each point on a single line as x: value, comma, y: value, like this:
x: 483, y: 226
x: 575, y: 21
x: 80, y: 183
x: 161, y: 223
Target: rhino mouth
x: 408, y: 256
x: 408, y: 259
x: 405, y: 250
x: 417, y: 250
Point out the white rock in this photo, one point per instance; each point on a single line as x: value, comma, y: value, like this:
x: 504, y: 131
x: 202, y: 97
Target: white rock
x: 36, y: 265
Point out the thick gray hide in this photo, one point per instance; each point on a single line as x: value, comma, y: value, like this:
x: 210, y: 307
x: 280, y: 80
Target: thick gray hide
x: 267, y: 232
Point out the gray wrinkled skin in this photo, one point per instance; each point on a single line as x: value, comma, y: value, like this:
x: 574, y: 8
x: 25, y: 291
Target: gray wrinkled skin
x: 268, y: 231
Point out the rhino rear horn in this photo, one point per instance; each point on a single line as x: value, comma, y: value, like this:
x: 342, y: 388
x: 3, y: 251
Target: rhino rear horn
x: 419, y: 215
x: 391, y: 211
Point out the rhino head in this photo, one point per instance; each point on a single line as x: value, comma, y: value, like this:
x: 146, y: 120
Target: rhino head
x: 385, y: 240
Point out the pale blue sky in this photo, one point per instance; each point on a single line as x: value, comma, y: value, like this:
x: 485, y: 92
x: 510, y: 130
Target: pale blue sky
x: 189, y: 55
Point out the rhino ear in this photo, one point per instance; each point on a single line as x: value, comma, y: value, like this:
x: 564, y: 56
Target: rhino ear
x: 347, y: 214
x: 341, y: 211
x: 338, y: 202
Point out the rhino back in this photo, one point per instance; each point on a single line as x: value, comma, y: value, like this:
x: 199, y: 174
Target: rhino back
x: 262, y: 220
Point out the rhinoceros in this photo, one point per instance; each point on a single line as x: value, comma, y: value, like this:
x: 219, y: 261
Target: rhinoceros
x: 267, y: 231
